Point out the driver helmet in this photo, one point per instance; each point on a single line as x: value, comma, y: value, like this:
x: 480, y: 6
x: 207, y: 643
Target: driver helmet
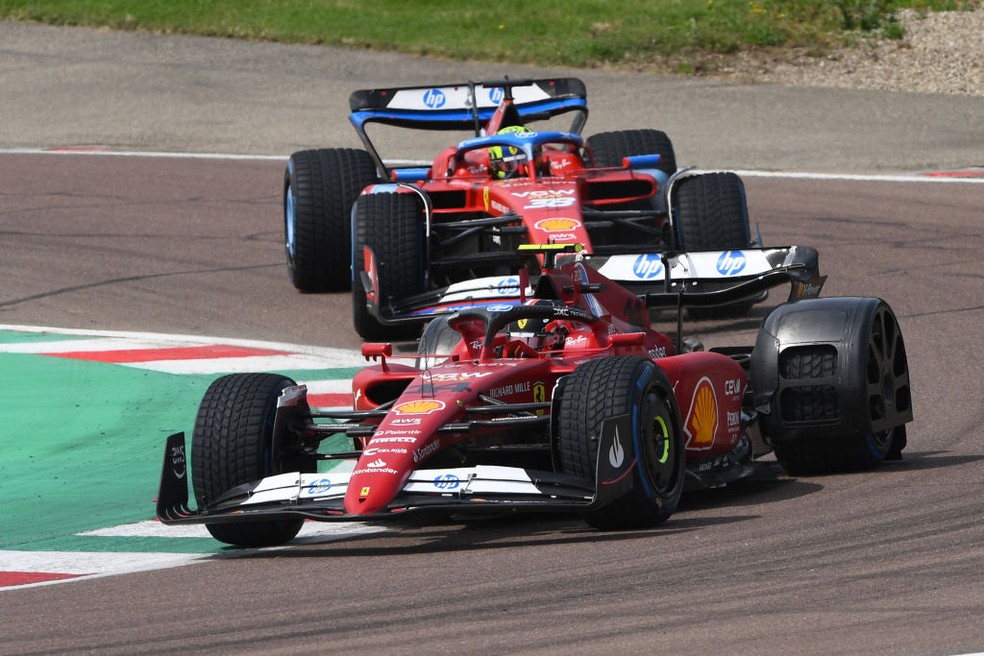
x: 539, y: 334
x: 506, y: 161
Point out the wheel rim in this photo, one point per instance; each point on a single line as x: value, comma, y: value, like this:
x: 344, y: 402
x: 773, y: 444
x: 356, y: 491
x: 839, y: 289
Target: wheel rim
x: 887, y: 377
x: 660, y: 452
x: 290, y: 225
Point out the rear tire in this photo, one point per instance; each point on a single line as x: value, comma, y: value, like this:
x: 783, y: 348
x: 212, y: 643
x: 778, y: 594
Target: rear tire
x: 231, y: 445
x: 319, y: 189
x: 834, y: 374
x: 392, y: 225
x: 609, y: 387
x: 609, y: 148
x: 711, y: 213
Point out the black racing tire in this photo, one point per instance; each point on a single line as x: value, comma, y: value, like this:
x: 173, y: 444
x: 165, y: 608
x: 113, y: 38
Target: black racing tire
x: 834, y: 374
x: 231, y: 445
x: 609, y: 148
x: 711, y: 213
x: 438, y: 339
x: 609, y: 387
x: 319, y: 189
x: 392, y: 225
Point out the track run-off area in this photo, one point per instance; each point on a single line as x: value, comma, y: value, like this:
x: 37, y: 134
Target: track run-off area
x: 84, y: 423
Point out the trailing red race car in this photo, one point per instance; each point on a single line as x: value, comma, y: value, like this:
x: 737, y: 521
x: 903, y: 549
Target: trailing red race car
x: 564, y: 401
x: 518, y: 180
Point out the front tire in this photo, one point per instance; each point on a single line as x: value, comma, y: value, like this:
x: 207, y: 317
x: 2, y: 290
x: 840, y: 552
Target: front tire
x: 392, y: 225
x: 319, y: 189
x: 231, y: 445
x: 610, y: 387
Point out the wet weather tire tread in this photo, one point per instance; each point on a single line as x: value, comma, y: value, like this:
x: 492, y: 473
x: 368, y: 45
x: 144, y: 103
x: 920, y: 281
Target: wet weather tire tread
x: 711, y: 213
x: 604, y: 388
x: 392, y: 225
x: 230, y: 447
x: 324, y: 184
x: 609, y: 148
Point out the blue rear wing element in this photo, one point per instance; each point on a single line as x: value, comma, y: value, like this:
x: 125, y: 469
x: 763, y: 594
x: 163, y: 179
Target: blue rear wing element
x: 466, y: 106
x: 449, y: 106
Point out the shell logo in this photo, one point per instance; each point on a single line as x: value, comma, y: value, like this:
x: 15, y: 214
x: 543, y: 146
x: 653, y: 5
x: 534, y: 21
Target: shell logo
x: 557, y: 225
x: 419, y: 407
x: 702, y: 419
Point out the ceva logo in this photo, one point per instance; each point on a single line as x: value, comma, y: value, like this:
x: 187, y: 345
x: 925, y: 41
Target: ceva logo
x: 647, y: 266
x: 434, y: 98
x: 731, y: 263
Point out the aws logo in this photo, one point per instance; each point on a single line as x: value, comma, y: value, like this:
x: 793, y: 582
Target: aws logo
x: 702, y: 418
x: 419, y: 407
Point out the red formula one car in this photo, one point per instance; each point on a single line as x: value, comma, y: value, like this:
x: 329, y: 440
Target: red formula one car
x: 564, y: 401
x: 517, y: 180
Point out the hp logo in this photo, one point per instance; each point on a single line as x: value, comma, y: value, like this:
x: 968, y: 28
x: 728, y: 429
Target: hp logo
x: 496, y: 95
x: 731, y: 263
x: 434, y: 98
x: 647, y: 266
x: 508, y: 286
x: 447, y: 482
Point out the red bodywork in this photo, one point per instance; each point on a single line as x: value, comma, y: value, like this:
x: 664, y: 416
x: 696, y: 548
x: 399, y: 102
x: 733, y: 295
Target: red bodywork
x: 547, y: 197
x: 486, y: 369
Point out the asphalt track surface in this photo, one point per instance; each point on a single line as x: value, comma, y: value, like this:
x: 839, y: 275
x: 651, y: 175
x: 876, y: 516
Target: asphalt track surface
x: 883, y: 562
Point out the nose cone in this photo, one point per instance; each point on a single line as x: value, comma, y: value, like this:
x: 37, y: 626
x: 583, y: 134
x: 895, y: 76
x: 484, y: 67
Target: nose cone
x: 408, y: 431
x: 377, y: 479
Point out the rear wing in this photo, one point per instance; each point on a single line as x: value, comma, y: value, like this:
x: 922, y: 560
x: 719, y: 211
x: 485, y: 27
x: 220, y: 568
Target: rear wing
x: 466, y: 105
x: 680, y: 279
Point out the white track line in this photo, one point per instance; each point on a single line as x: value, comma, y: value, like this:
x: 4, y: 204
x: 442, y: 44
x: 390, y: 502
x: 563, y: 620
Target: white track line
x: 913, y: 177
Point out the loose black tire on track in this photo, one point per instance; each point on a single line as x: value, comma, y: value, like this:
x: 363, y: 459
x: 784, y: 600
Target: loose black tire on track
x: 839, y: 400
x: 610, y: 387
x: 319, y: 189
x: 232, y: 445
x: 392, y: 224
x: 608, y: 148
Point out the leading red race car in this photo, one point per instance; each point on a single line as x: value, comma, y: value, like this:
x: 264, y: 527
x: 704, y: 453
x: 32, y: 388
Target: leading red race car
x: 564, y: 401
x: 524, y: 177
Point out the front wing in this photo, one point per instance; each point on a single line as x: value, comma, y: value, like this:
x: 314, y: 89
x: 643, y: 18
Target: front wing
x: 472, y: 490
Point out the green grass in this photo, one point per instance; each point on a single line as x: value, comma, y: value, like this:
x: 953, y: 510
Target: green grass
x: 655, y: 34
